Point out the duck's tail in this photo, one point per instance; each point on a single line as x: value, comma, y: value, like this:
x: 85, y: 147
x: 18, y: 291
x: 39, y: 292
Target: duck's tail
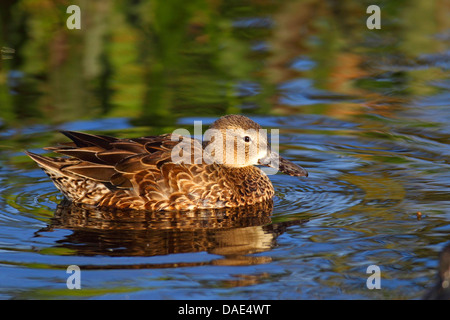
x: 74, y: 187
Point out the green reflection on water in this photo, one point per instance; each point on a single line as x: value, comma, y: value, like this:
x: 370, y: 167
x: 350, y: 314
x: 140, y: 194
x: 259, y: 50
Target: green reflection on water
x: 152, y: 62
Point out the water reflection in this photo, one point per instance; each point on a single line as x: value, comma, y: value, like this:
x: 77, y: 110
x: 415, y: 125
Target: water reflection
x: 231, y: 232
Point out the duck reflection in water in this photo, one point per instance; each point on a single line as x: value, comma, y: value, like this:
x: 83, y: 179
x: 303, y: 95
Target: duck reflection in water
x: 234, y: 233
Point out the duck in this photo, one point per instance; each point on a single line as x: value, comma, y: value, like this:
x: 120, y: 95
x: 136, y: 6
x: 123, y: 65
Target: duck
x: 441, y: 290
x: 168, y: 172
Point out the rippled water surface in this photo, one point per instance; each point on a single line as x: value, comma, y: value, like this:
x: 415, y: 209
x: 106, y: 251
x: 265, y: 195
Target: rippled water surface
x: 366, y: 112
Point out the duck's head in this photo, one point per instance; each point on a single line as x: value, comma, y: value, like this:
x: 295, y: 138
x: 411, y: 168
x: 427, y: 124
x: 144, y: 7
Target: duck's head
x: 236, y: 141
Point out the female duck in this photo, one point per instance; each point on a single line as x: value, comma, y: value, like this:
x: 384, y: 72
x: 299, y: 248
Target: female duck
x: 168, y: 172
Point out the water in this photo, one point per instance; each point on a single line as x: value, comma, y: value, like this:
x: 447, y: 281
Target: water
x: 365, y: 112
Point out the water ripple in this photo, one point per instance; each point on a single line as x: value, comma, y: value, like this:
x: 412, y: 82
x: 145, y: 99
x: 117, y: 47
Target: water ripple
x: 314, y: 195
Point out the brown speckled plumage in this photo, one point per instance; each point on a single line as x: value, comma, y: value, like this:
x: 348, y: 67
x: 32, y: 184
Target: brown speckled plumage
x: 141, y: 174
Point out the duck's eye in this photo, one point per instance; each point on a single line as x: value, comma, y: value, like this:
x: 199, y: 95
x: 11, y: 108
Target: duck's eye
x: 247, y: 139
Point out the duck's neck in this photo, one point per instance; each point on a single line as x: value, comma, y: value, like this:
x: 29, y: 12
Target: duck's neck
x: 251, y: 184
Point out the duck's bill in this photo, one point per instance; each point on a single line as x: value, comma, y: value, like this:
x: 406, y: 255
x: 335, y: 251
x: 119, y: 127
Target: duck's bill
x: 275, y: 161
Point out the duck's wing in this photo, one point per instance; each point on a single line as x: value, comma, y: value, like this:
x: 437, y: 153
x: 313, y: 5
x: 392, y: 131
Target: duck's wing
x: 122, y: 163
